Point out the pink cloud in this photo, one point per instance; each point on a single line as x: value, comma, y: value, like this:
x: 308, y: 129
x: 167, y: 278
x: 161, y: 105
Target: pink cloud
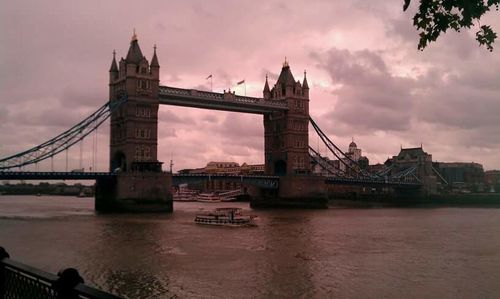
x: 363, y: 75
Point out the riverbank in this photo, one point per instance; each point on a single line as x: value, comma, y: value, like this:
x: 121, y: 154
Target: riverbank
x: 444, y: 200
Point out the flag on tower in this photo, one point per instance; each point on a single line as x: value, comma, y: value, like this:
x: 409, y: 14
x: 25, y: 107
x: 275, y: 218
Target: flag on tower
x: 241, y: 82
x: 210, y: 76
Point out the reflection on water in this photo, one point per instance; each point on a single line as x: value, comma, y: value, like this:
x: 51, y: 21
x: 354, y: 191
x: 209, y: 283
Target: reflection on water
x: 390, y: 253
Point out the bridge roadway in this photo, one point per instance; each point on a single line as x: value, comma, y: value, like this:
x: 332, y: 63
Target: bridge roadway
x: 53, y: 175
x: 370, y: 182
x: 262, y: 181
x: 218, y: 101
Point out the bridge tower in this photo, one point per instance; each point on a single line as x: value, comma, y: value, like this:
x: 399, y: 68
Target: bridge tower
x: 140, y: 183
x: 286, y: 144
x: 134, y: 126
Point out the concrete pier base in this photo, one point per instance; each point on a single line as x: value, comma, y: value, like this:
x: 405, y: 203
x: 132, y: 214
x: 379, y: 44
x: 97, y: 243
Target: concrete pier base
x: 135, y: 192
x: 302, y: 192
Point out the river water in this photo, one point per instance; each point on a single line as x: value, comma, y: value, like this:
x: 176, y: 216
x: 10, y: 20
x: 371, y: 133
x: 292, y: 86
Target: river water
x: 334, y: 253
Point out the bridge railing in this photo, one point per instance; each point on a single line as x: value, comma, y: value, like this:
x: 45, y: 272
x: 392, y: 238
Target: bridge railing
x: 208, y: 95
x: 18, y: 280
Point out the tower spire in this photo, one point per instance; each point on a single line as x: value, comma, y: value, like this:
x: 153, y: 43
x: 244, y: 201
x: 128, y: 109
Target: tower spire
x: 134, y: 36
x: 304, y: 83
x: 285, y: 64
x: 134, y: 54
x: 267, y: 91
x: 266, y: 86
x: 154, y: 60
x: 114, y: 66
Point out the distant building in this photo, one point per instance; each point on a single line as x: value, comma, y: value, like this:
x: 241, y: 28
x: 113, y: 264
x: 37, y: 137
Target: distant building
x: 318, y: 169
x: 415, y: 160
x: 376, y: 168
x: 462, y: 176
x: 257, y: 169
x: 222, y: 168
x: 353, y: 155
x: 354, y: 152
x: 408, y: 157
x: 231, y: 168
x: 492, y: 180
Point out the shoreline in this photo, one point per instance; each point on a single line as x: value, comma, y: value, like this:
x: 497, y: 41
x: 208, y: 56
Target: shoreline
x: 483, y: 200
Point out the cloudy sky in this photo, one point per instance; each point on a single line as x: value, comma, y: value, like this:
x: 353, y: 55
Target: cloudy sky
x: 368, y: 80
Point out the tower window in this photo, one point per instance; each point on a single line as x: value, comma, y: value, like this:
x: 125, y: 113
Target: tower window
x: 137, y: 153
x: 143, y: 111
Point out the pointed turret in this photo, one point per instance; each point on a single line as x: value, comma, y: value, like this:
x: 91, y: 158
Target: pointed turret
x: 267, y: 91
x: 134, y: 54
x: 113, y: 70
x: 305, y: 86
x: 286, y: 77
x: 114, y: 66
x: 304, y: 83
x: 154, y: 60
x: 155, y: 66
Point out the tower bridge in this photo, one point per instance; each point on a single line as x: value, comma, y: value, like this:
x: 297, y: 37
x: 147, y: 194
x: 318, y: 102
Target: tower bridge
x: 135, y: 180
x: 226, y: 101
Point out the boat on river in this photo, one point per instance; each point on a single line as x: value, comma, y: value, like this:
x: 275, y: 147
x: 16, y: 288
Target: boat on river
x: 232, y: 217
x: 208, y: 197
x: 185, y: 195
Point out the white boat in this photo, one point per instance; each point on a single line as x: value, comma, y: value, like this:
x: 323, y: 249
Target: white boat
x: 230, y: 195
x: 208, y: 197
x: 185, y: 195
x: 232, y: 217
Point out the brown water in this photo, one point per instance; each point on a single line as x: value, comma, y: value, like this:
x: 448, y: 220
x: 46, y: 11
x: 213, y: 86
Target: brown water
x: 335, y: 253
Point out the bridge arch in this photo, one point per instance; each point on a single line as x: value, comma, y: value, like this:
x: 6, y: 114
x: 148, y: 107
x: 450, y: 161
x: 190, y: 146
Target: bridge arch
x: 119, y: 161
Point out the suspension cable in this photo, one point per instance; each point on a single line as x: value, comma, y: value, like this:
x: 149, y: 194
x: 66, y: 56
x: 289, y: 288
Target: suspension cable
x: 342, y: 157
x: 81, y: 155
x: 329, y: 144
x: 64, y: 140
x: 320, y: 160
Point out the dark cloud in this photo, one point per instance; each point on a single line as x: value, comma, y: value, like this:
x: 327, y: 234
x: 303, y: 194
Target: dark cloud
x: 370, y: 98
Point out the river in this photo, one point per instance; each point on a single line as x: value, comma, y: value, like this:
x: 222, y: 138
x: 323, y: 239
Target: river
x: 334, y: 253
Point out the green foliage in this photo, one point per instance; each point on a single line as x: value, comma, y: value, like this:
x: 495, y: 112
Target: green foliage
x: 436, y: 16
